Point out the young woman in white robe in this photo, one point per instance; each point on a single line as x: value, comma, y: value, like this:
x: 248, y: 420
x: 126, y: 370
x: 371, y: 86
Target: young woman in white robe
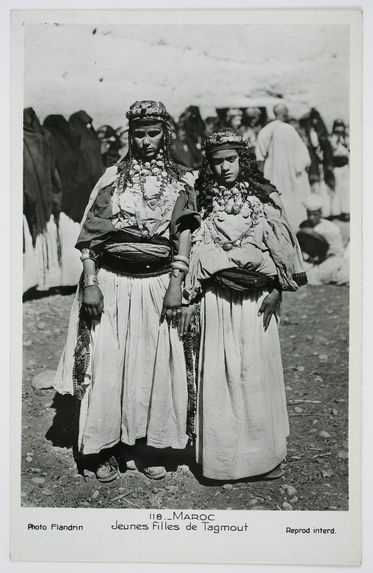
x: 243, y: 256
x: 124, y: 359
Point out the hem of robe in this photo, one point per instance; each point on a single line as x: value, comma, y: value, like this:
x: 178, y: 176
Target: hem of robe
x: 234, y: 475
x: 91, y: 450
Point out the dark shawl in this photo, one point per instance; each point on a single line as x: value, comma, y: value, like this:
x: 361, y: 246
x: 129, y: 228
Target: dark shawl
x: 41, y: 186
x: 90, y: 145
x: 306, y: 122
x: 76, y: 187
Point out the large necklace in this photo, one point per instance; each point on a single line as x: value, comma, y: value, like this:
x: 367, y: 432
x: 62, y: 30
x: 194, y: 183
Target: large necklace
x: 231, y: 201
x: 234, y: 201
x: 140, y: 170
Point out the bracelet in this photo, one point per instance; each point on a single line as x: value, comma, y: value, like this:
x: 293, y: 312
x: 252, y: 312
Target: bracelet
x: 181, y: 266
x: 85, y: 256
x: 90, y: 280
x: 182, y: 259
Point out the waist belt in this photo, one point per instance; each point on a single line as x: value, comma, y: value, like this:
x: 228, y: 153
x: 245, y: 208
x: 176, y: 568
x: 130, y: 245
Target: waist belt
x: 134, y: 269
x: 242, y: 280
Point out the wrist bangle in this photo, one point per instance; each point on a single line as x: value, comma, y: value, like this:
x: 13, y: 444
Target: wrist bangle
x: 180, y: 266
x: 90, y: 280
x: 182, y: 259
x: 89, y: 255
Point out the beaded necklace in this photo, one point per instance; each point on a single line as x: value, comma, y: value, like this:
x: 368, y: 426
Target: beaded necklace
x: 234, y: 201
x: 139, y: 172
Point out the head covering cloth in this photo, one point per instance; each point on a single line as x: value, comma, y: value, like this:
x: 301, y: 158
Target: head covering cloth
x: 223, y: 139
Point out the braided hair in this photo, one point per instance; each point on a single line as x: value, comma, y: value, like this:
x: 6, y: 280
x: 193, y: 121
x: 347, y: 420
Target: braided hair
x: 249, y: 172
x: 172, y: 166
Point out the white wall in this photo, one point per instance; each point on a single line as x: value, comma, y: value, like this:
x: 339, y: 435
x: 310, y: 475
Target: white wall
x: 68, y: 68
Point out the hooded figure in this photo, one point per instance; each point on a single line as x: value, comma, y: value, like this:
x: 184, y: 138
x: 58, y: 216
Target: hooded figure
x: 71, y: 165
x: 41, y: 185
x: 90, y: 145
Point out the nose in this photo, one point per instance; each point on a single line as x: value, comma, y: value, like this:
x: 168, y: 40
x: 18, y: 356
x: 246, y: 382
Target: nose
x: 225, y: 166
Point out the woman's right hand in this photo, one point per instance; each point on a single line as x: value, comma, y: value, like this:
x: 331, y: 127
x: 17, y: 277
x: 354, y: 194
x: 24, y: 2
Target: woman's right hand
x: 93, y: 302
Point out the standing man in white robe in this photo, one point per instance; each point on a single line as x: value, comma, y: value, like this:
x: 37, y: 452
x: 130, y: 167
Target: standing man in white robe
x: 284, y: 158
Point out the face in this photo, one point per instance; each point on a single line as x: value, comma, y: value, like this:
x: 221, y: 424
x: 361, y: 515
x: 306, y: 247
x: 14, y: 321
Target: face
x: 209, y: 129
x: 148, y: 139
x: 225, y: 166
x: 101, y: 133
x: 314, y: 217
x: 181, y: 134
x: 235, y: 122
x: 339, y: 130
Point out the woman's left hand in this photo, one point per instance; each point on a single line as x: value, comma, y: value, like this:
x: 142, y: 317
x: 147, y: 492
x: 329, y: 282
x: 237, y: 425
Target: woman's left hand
x: 268, y: 307
x: 172, y: 304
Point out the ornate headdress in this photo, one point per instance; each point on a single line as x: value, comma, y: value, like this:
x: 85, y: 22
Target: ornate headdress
x: 148, y: 109
x: 223, y: 139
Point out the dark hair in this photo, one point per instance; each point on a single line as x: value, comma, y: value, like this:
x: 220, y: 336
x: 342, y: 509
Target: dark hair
x: 172, y: 166
x: 249, y: 172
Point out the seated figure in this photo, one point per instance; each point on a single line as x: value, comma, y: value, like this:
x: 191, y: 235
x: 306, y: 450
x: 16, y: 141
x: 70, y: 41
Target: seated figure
x: 326, y: 258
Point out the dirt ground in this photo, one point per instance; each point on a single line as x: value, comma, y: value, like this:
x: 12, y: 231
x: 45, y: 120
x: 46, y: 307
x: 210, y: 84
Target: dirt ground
x: 314, y: 336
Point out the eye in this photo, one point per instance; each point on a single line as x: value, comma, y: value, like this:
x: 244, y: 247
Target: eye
x: 154, y: 133
x: 139, y: 134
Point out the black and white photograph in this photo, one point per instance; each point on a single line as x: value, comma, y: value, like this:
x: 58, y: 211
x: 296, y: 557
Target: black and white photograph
x: 186, y: 225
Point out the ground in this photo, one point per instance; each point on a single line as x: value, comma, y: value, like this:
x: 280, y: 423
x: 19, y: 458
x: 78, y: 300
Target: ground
x: 314, y: 337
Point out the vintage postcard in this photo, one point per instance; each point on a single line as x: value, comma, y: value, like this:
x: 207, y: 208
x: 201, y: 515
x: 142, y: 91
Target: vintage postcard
x: 186, y: 286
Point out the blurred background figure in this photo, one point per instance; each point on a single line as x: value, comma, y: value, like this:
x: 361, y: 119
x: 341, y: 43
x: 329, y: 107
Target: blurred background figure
x: 251, y: 125
x: 122, y: 134
x: 212, y: 123
x: 42, y: 195
x: 233, y: 118
x: 321, y: 241
x: 340, y: 202
x: 89, y: 144
x: 192, y: 124
x: 185, y: 149
x: 110, y: 145
x: 283, y: 158
x: 71, y: 165
x: 76, y: 189
x: 321, y: 173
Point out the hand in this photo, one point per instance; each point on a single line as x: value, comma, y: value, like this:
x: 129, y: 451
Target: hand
x: 171, y: 304
x: 187, y: 313
x: 93, y: 302
x: 268, y: 307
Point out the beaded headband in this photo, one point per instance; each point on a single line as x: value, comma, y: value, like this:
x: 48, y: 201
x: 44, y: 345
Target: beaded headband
x: 223, y: 139
x: 148, y: 110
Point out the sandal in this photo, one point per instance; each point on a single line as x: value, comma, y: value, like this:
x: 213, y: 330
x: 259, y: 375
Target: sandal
x: 155, y: 472
x: 276, y: 473
x: 107, y: 471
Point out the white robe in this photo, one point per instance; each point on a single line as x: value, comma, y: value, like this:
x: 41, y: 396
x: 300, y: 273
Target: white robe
x: 285, y: 159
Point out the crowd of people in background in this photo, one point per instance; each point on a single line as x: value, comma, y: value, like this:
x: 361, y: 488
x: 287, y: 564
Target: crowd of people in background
x: 64, y: 158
